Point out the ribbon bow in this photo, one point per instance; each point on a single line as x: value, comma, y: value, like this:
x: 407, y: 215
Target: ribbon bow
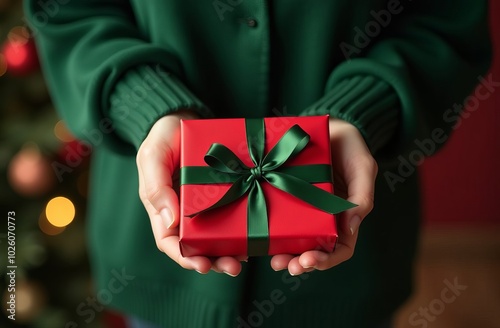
x: 295, y: 180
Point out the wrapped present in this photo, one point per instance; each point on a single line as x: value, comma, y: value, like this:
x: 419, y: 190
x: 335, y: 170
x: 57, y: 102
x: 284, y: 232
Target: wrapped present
x: 257, y: 187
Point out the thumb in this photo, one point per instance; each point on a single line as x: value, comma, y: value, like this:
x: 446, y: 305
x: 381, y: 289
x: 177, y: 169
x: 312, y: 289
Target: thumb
x: 361, y: 189
x: 170, y: 212
x: 357, y: 170
x: 157, y: 159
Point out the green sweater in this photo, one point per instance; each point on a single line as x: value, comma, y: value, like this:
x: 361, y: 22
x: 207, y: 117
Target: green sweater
x: 391, y: 68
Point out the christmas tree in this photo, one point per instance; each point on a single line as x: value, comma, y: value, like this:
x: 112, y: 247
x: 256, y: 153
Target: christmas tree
x: 46, y: 280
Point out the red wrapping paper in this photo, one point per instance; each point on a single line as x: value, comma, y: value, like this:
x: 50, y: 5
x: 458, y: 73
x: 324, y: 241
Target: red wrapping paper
x: 294, y: 225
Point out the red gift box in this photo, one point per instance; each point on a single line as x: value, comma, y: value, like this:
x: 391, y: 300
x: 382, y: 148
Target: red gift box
x: 294, y: 225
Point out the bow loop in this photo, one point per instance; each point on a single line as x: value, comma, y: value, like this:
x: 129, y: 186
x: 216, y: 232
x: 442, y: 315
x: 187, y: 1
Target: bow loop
x: 224, y: 160
x: 290, y: 144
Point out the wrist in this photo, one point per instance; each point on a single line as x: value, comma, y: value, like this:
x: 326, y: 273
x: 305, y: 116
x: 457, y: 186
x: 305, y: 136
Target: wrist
x: 184, y: 114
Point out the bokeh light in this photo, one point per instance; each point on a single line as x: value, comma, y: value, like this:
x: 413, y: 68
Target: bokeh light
x: 62, y: 133
x: 47, y: 228
x: 29, y: 172
x: 16, y: 54
x: 31, y: 299
x: 19, y: 35
x: 60, y: 211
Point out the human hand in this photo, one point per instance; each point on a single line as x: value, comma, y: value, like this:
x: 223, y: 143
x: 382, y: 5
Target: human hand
x: 355, y: 171
x: 157, y: 160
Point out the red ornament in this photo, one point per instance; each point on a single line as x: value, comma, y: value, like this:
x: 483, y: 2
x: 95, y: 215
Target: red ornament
x: 20, y: 56
x: 30, y: 174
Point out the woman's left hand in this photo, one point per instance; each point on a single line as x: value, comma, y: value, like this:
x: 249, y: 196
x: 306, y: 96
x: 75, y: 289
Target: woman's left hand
x: 355, y: 171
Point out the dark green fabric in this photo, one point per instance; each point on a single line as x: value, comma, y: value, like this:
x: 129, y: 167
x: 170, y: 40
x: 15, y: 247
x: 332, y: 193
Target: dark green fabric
x: 132, y: 61
x: 266, y: 168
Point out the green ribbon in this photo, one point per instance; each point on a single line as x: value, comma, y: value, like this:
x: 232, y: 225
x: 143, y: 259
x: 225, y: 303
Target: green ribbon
x: 226, y: 167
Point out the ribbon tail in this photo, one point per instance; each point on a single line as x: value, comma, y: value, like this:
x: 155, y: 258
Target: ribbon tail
x: 312, y: 195
x: 238, y: 189
x: 257, y: 224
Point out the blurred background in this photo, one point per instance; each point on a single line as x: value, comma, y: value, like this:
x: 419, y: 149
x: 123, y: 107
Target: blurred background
x: 457, y: 270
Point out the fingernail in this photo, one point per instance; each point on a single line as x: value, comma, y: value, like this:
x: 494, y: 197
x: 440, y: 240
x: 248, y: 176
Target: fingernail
x: 199, y: 272
x: 306, y: 264
x: 166, y: 216
x: 229, y: 274
x: 354, y: 224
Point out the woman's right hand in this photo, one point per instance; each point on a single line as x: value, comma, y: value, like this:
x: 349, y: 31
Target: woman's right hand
x: 157, y: 160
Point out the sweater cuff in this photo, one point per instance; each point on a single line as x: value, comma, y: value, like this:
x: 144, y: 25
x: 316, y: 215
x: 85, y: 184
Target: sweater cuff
x: 367, y: 102
x: 143, y: 96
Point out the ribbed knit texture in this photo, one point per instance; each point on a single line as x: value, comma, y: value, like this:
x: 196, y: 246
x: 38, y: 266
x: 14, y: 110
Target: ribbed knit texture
x: 143, y: 96
x: 366, y: 102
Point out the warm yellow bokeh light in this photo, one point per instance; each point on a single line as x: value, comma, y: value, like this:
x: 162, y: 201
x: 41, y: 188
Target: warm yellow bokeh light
x: 60, y: 211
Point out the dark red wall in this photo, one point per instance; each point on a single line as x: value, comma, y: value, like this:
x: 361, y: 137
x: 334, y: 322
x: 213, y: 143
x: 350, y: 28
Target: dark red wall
x: 461, y: 184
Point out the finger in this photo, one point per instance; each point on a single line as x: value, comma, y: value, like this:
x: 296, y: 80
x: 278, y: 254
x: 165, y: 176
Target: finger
x: 280, y: 262
x: 324, y: 261
x: 156, y: 163
x: 242, y: 258
x: 167, y: 241
x: 357, y: 168
x: 170, y: 246
x: 295, y: 268
x: 228, y: 265
x: 160, y: 229
x: 360, y: 180
x: 311, y: 259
